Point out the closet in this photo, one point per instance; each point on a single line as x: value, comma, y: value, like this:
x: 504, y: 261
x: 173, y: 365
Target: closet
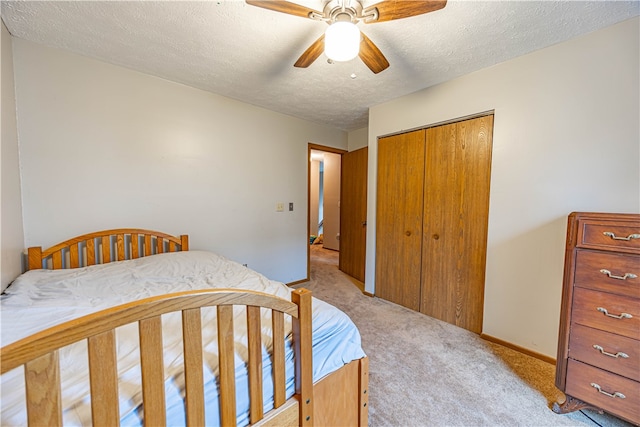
x: 431, y: 219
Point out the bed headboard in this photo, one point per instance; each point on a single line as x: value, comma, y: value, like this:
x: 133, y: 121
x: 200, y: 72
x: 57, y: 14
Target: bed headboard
x: 103, y: 247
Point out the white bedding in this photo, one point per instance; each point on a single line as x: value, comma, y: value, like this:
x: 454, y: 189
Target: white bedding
x: 42, y: 298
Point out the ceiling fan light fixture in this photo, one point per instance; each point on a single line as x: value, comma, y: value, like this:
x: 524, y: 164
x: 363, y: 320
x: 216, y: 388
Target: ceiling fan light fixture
x: 342, y: 41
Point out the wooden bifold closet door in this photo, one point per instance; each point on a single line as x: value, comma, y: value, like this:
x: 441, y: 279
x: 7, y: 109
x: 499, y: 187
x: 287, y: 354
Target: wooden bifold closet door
x: 399, y: 218
x: 432, y: 218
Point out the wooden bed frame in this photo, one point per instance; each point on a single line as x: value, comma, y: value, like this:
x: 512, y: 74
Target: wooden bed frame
x: 338, y: 399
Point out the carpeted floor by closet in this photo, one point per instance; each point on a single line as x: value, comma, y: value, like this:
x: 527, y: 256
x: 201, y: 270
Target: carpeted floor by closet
x: 424, y: 372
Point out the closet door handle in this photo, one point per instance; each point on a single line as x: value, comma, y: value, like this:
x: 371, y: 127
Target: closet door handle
x: 407, y: 233
x: 436, y: 236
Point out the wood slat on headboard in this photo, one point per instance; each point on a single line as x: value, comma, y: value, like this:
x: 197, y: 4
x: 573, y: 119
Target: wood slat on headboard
x: 105, y: 246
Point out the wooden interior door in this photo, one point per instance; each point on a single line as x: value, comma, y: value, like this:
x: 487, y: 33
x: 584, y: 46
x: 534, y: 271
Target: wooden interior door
x: 399, y: 218
x: 353, y: 213
x: 455, y: 218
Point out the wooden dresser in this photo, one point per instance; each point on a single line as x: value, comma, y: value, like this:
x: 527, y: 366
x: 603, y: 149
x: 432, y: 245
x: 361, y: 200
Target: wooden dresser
x: 598, y: 364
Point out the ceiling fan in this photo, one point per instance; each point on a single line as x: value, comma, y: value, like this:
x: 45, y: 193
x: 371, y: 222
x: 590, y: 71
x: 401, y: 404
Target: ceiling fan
x: 343, y: 15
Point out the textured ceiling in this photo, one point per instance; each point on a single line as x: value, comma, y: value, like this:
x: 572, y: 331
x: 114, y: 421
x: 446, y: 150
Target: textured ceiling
x: 247, y: 53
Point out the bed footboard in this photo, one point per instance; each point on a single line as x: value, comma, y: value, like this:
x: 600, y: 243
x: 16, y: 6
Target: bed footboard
x: 39, y: 356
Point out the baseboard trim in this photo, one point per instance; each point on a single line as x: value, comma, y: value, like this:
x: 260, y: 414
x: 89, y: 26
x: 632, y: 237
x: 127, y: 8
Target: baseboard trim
x: 522, y: 350
x: 297, y: 282
x: 369, y: 294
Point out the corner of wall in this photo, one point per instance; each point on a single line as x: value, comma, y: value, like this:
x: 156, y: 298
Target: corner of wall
x: 357, y: 139
x: 11, y: 222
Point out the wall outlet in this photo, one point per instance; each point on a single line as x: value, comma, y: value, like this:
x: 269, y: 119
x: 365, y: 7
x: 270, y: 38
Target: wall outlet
x: 279, y: 207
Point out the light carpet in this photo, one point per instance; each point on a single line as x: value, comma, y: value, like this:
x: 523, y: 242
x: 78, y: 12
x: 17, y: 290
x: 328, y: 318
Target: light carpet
x: 425, y: 372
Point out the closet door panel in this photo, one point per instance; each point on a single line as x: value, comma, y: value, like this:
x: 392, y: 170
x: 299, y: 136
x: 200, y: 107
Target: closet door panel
x: 399, y: 218
x: 456, y: 206
x: 439, y: 258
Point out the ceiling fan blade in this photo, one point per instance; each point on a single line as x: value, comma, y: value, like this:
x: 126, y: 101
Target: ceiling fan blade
x: 311, y: 54
x: 284, y: 7
x: 389, y: 10
x: 372, y: 56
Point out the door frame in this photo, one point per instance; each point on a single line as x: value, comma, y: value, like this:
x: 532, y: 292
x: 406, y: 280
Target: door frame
x: 311, y: 146
x: 444, y: 122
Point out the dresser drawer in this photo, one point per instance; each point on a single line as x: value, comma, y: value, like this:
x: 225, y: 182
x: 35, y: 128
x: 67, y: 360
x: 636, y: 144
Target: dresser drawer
x: 580, y: 378
x: 608, y: 272
x: 609, y: 236
x: 615, y: 353
x: 589, y: 306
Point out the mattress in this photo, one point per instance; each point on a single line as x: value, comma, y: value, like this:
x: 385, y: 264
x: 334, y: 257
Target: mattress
x: 42, y: 298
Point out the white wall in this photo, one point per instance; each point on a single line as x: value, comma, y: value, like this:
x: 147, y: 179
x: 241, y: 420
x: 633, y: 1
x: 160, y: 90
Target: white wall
x: 358, y: 138
x: 11, y: 228
x: 566, y: 138
x: 103, y: 146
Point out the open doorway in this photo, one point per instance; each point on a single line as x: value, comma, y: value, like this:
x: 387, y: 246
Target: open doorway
x: 324, y: 170
x: 324, y: 199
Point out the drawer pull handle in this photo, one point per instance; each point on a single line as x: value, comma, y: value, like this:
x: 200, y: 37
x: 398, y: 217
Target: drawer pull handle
x: 618, y: 354
x: 614, y: 237
x: 621, y: 316
x: 614, y: 395
x: 625, y: 277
